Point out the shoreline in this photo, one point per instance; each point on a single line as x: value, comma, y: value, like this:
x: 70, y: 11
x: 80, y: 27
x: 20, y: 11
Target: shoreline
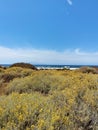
x: 54, y: 67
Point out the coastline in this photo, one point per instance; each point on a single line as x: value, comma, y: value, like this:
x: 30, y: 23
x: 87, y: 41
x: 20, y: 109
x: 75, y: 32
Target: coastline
x: 56, y: 67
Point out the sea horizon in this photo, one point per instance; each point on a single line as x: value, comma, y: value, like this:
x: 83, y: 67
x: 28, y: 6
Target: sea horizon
x: 55, y: 66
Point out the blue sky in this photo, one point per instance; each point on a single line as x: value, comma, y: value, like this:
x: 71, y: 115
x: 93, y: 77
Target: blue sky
x: 49, y: 31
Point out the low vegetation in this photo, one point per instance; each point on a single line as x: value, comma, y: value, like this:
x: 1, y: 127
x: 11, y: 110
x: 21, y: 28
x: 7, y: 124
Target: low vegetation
x: 48, y: 99
x: 93, y: 70
x: 24, y: 65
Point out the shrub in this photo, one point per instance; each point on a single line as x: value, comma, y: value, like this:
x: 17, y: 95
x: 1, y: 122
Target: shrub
x: 85, y: 111
x: 50, y: 100
x: 20, y: 111
x: 24, y: 65
x: 15, y: 72
x: 43, y: 82
x: 29, y: 84
x: 88, y: 70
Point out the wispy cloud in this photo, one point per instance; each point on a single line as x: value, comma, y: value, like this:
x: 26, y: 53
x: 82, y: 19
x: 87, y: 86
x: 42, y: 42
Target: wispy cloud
x: 69, y: 2
x: 36, y: 56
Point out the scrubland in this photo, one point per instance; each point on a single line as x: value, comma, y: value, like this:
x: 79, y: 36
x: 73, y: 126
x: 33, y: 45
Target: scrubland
x: 48, y: 99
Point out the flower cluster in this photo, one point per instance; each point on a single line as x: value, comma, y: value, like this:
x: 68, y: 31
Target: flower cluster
x: 50, y: 100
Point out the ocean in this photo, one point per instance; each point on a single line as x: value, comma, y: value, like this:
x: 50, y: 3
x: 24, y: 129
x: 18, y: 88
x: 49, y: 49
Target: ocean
x: 40, y: 66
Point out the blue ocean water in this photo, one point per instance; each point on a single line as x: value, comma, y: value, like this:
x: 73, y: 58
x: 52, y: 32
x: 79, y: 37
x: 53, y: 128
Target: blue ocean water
x: 40, y: 66
x: 62, y: 66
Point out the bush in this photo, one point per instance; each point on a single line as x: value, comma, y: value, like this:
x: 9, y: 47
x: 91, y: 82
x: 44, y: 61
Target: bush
x: 29, y: 84
x: 41, y: 81
x: 20, y: 111
x: 85, y: 110
x: 24, y: 65
x: 15, y: 72
x: 88, y: 70
x: 50, y: 100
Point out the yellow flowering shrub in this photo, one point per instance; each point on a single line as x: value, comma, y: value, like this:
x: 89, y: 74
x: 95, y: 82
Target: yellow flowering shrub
x: 49, y: 100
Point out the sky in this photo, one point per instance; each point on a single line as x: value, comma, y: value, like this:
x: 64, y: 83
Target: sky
x: 49, y: 31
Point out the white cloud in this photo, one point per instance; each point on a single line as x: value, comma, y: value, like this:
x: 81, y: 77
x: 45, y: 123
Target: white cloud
x: 36, y: 56
x: 69, y: 2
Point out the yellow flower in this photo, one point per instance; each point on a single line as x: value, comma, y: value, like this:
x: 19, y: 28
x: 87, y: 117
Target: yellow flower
x: 41, y: 110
